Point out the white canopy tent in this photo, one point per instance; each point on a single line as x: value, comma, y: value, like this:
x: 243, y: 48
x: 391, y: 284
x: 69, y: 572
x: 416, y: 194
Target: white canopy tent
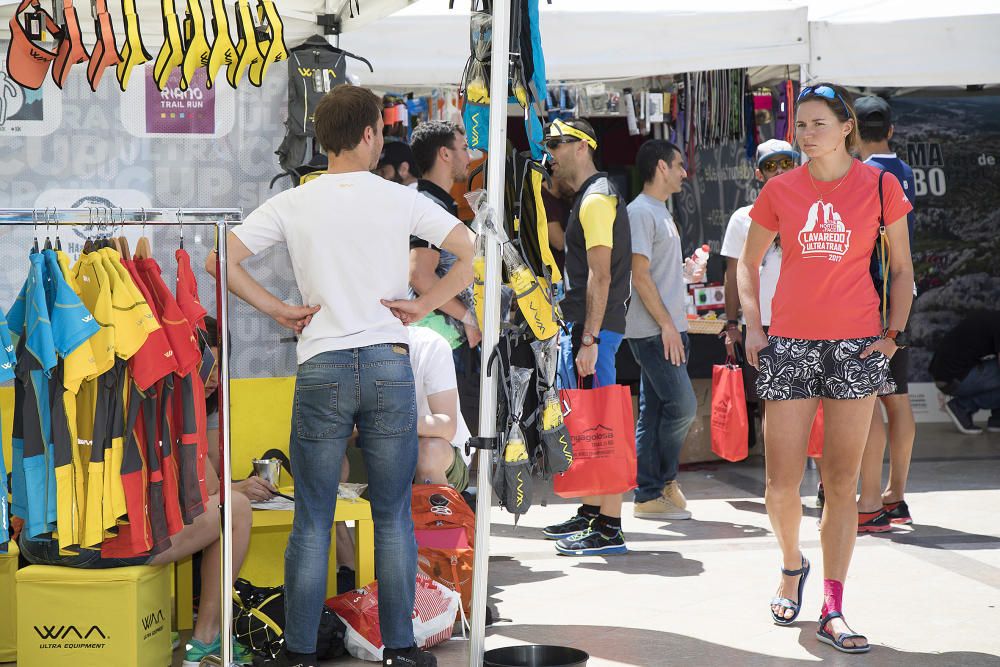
x: 904, y: 43
x: 427, y: 44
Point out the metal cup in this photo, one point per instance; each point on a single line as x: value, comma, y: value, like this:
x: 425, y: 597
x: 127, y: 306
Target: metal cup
x: 268, y: 469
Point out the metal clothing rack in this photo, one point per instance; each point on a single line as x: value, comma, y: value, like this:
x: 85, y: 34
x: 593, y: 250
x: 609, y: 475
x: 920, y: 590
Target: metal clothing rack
x: 221, y: 218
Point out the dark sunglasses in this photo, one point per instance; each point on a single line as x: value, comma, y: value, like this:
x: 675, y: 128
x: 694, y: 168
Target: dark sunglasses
x: 552, y: 144
x: 826, y: 92
x: 771, y: 166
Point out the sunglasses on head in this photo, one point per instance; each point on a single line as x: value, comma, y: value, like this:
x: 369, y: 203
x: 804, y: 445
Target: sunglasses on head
x: 552, y: 144
x: 826, y: 92
x: 771, y: 166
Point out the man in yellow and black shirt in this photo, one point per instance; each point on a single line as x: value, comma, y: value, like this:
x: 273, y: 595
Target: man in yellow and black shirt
x: 598, y: 268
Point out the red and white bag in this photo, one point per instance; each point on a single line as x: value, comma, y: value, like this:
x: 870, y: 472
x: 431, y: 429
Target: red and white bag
x: 434, y: 612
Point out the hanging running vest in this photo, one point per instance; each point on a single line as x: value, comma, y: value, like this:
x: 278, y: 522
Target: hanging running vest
x: 314, y: 69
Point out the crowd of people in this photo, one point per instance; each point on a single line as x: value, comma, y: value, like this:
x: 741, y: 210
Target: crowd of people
x: 818, y: 288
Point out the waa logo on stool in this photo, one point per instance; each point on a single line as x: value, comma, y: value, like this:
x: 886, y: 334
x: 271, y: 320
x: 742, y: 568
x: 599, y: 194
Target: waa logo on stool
x: 70, y: 637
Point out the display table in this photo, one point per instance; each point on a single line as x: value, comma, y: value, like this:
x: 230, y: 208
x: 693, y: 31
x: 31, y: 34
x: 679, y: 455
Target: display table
x: 265, y: 561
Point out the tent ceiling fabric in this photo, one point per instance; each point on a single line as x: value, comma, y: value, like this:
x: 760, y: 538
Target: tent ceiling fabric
x: 591, y: 39
x: 905, y: 43
x: 875, y: 43
x: 298, y: 16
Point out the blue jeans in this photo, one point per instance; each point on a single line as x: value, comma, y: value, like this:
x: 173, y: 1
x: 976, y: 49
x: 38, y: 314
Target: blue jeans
x: 980, y: 389
x: 569, y: 346
x: 667, y: 407
x: 371, y: 387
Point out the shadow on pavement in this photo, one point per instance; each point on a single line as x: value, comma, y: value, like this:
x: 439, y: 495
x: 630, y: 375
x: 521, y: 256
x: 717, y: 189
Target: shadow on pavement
x: 758, y: 507
x: 659, y: 563
x: 646, y: 648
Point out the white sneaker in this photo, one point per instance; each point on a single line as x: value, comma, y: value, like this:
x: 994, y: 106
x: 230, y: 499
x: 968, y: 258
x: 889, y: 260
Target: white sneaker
x: 660, y: 508
x: 672, y: 492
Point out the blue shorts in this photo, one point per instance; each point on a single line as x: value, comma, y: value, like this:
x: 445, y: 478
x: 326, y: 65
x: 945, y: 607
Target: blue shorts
x: 607, y: 349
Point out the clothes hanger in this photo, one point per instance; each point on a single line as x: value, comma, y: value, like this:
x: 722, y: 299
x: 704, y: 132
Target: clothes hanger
x: 88, y: 246
x: 317, y: 42
x: 180, y: 220
x: 123, y: 240
x: 34, y: 219
x: 142, y: 250
x: 54, y: 224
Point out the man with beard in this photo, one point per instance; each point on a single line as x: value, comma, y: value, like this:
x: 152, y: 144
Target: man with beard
x: 396, y: 164
x: 441, y: 154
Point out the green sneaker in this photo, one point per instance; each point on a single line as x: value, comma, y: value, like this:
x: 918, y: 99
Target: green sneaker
x: 195, y: 651
x: 175, y: 640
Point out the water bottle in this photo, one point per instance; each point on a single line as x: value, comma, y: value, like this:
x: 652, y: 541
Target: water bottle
x: 701, y: 256
x: 695, y: 266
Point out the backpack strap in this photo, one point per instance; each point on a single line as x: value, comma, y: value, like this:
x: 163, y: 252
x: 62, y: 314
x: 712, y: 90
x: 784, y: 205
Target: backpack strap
x: 883, y: 241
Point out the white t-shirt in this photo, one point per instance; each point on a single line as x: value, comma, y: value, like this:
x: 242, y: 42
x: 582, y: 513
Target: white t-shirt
x: 348, y: 236
x: 434, y: 372
x: 770, y: 266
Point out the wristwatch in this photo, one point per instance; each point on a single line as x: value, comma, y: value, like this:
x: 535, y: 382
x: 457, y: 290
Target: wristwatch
x: 893, y: 335
x: 589, y: 339
x: 732, y: 324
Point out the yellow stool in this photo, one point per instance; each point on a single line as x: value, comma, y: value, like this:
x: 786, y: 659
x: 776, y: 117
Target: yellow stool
x: 93, y: 618
x: 265, y: 561
x: 8, y: 604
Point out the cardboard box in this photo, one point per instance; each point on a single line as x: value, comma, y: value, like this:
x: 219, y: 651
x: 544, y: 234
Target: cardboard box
x: 69, y: 617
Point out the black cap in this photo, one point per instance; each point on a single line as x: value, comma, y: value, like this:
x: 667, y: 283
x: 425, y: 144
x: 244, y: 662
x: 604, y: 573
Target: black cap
x: 873, y: 111
x: 396, y: 153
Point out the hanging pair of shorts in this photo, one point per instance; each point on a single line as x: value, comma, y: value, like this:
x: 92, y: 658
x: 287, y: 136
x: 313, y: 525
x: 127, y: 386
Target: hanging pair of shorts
x: 794, y: 368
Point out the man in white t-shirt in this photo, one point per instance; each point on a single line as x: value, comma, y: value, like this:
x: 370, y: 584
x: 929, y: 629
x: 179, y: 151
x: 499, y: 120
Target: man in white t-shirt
x: 348, y: 233
x: 774, y: 157
x: 440, y: 427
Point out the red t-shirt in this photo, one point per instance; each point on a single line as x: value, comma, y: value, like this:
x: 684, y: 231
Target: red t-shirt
x: 825, y: 291
x: 187, y: 291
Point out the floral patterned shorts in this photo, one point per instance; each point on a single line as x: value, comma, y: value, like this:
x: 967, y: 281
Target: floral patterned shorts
x: 792, y: 368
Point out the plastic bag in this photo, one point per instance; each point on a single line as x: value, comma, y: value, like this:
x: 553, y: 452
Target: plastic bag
x: 434, y: 612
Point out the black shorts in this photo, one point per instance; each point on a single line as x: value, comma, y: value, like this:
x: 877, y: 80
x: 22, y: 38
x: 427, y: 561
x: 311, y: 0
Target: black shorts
x: 793, y: 368
x: 899, y: 373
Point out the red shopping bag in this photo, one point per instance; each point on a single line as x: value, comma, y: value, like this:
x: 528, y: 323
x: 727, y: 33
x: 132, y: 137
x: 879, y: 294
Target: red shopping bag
x: 602, y: 429
x: 816, y: 435
x: 729, y: 413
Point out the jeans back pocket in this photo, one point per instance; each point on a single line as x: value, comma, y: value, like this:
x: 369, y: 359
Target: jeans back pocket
x: 316, y: 416
x: 396, y: 412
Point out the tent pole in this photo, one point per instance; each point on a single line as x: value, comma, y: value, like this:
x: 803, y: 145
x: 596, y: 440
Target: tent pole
x: 226, y: 482
x: 496, y: 164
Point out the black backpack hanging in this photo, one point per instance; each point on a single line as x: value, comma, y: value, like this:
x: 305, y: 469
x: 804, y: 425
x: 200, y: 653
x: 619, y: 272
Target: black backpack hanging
x: 315, y: 67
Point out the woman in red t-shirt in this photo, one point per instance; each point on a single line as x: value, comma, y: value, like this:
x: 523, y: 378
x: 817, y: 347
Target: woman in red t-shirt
x: 827, y: 340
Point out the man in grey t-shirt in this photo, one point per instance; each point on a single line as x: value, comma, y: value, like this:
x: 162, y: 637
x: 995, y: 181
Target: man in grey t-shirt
x: 656, y: 330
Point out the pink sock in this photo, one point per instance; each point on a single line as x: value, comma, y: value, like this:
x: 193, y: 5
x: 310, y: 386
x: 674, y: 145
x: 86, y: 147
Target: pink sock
x: 833, y: 596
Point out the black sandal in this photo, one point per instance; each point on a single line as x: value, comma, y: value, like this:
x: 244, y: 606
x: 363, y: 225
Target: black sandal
x: 838, y: 641
x: 786, y: 603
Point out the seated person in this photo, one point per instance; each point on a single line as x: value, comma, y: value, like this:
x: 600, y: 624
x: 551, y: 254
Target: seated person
x: 441, y: 431
x: 202, y: 534
x: 440, y: 427
x: 966, y: 366
x: 254, y: 488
